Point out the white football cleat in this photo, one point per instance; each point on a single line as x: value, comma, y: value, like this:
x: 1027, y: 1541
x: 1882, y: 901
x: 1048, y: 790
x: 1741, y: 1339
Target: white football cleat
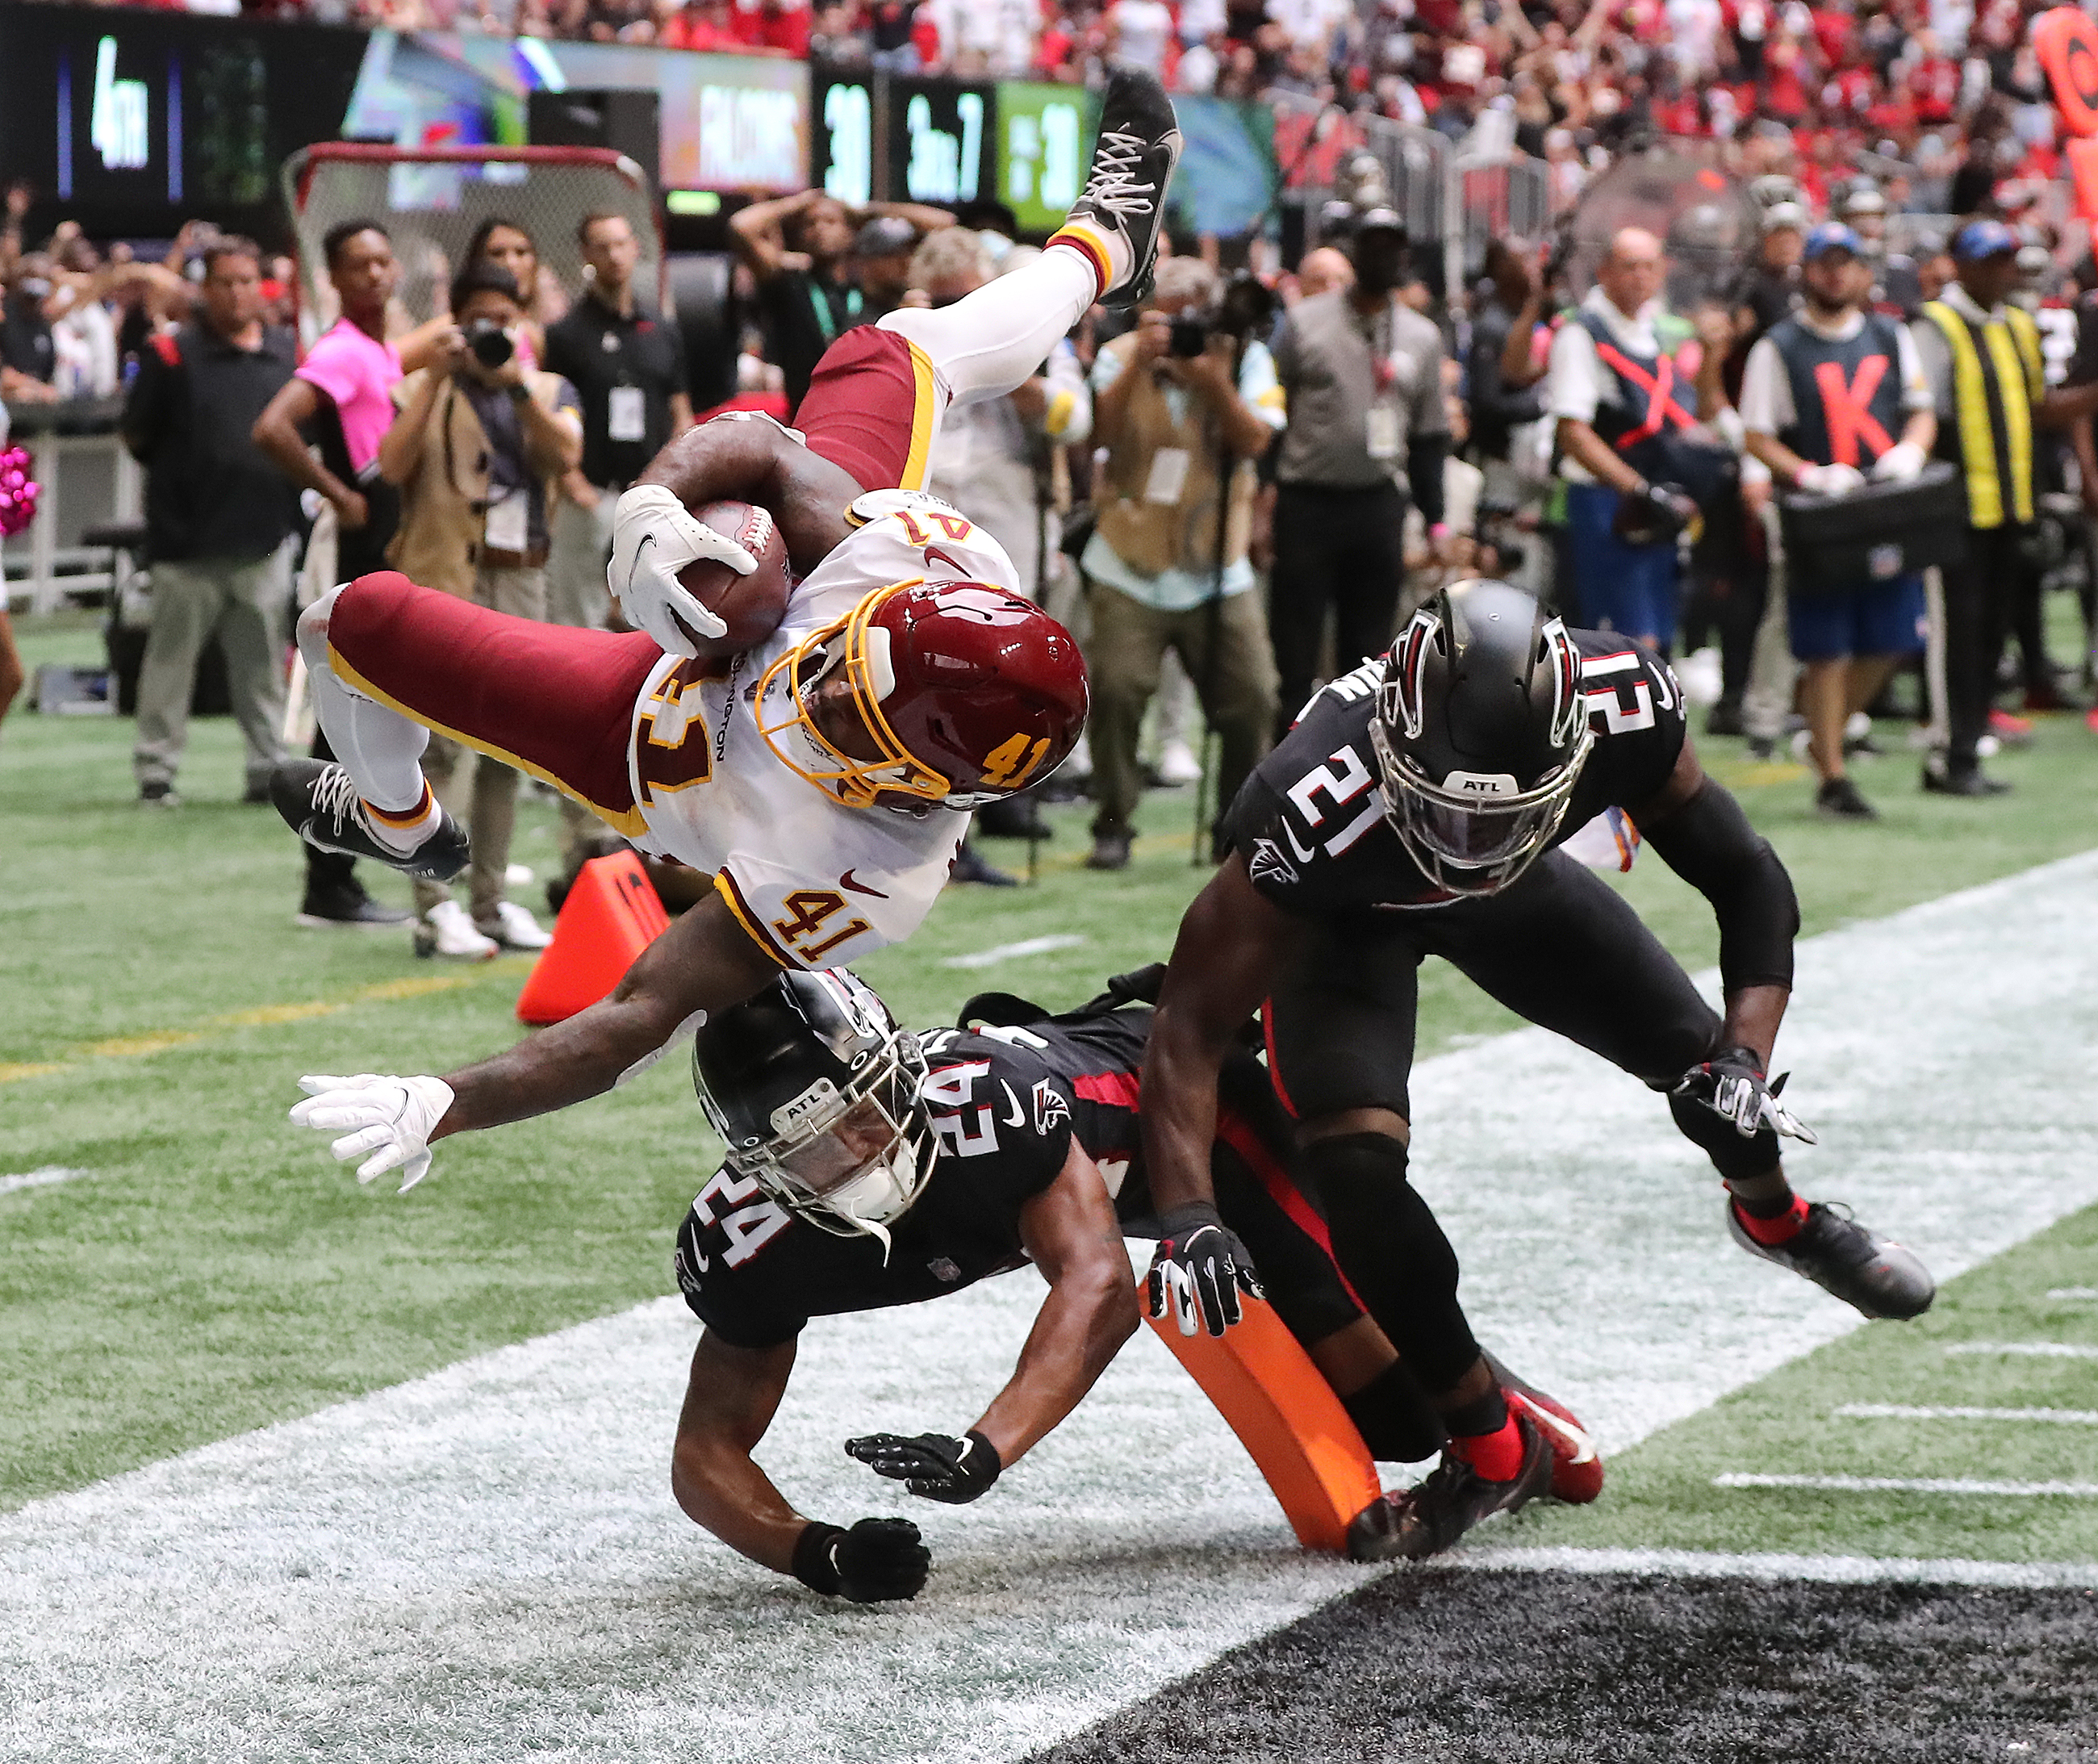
x: 1177, y: 763
x: 514, y: 928
x: 446, y: 930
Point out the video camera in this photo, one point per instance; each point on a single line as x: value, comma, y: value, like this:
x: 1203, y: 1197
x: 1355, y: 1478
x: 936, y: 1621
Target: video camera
x: 1244, y: 307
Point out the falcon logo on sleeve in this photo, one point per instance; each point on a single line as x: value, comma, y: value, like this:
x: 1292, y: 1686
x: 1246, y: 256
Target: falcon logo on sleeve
x: 1267, y: 864
x: 1050, y: 1106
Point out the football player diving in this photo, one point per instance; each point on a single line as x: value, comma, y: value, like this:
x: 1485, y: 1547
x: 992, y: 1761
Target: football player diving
x: 867, y: 1167
x: 815, y: 777
x: 1414, y: 810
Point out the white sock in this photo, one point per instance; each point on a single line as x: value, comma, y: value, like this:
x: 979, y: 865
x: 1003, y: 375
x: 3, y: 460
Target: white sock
x: 984, y: 345
x: 382, y: 749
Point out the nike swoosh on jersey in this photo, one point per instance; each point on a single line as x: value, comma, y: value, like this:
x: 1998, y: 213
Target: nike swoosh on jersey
x: 1289, y: 832
x: 846, y: 881
x: 1018, y: 1117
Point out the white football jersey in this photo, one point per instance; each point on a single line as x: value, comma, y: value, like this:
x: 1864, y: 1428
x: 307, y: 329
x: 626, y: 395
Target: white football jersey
x: 817, y: 884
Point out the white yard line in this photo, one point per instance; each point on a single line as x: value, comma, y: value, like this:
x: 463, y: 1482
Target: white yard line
x: 2073, y: 1292
x: 1837, y: 1569
x: 1007, y: 952
x: 486, y: 1561
x: 2031, y: 1350
x: 50, y: 1176
x: 1905, y: 1411
x: 1748, y: 1479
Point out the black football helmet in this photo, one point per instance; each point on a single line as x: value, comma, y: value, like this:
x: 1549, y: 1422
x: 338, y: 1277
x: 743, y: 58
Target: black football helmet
x: 813, y: 1090
x: 1481, y: 732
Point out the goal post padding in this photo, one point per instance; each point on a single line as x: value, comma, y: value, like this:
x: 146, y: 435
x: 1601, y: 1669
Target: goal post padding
x: 431, y: 200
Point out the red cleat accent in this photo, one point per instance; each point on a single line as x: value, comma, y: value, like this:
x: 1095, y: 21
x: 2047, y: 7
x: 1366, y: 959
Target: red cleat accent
x: 1576, y: 1467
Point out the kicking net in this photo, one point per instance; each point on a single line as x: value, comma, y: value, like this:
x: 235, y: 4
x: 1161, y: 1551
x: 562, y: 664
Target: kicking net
x: 432, y: 200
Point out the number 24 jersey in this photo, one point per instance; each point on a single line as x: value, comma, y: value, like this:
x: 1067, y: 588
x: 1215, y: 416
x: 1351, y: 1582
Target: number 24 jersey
x: 1310, y: 821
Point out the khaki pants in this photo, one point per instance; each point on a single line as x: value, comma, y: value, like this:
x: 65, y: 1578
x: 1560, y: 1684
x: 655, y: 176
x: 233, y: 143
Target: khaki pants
x: 247, y: 603
x: 1237, y: 687
x: 488, y: 809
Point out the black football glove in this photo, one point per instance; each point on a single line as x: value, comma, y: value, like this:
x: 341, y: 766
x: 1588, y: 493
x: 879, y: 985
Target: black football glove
x: 1199, y: 1268
x: 877, y: 1559
x: 1726, y: 1101
x: 934, y: 1465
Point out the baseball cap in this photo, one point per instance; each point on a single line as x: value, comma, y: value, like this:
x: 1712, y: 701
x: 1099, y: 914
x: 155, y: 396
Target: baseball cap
x: 1786, y: 217
x: 1983, y: 238
x: 1831, y: 235
x: 885, y: 236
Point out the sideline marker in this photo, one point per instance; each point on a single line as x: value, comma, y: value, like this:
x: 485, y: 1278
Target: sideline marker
x: 1287, y: 1417
x: 611, y: 915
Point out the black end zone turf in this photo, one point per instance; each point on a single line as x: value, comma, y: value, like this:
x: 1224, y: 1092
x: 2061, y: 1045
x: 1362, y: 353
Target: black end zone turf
x: 1443, y: 1664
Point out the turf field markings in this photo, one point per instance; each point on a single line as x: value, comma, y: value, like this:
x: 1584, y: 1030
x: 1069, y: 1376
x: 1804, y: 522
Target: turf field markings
x: 488, y: 1556
x: 48, y: 1176
x: 1906, y: 1411
x: 1715, y: 1565
x: 261, y: 1016
x: 2072, y: 1293
x: 1749, y: 1479
x: 1012, y: 952
x: 2035, y: 1350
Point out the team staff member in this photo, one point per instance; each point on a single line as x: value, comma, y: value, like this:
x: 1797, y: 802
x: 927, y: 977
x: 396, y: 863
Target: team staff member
x: 1362, y: 374
x: 1412, y: 812
x: 808, y: 310
x: 476, y: 451
x: 1617, y: 393
x: 1830, y: 393
x: 218, y: 517
x: 1980, y: 354
x: 342, y: 396
x: 627, y: 367
x: 911, y: 1178
x: 1181, y: 435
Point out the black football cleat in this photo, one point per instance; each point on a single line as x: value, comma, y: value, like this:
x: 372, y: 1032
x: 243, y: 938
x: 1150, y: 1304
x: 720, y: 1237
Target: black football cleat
x: 1413, y: 1524
x: 319, y: 800
x: 1870, y: 1273
x: 1577, y: 1466
x: 1124, y: 200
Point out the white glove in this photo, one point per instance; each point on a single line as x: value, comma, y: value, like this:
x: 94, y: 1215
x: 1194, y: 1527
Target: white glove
x: 393, y: 1118
x: 1830, y: 480
x: 653, y: 537
x: 1899, y: 463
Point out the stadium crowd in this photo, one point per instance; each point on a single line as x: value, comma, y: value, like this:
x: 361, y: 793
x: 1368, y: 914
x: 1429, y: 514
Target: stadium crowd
x: 1344, y: 456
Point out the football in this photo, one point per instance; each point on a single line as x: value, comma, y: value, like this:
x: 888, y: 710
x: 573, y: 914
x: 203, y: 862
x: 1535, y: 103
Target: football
x: 750, y: 606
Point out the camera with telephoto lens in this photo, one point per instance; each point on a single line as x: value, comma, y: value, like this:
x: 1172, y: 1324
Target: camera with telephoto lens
x: 1244, y: 306
x: 491, y: 344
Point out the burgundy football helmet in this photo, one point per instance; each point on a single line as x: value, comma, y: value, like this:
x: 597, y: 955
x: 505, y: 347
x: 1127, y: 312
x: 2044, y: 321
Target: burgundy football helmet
x: 970, y: 693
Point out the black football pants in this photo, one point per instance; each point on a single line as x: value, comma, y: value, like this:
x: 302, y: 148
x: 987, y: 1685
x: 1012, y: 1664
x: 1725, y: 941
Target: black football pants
x: 1560, y: 948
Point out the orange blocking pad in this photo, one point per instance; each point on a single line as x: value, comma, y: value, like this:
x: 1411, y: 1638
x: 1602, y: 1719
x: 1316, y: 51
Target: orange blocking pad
x: 1287, y: 1417
x: 611, y: 915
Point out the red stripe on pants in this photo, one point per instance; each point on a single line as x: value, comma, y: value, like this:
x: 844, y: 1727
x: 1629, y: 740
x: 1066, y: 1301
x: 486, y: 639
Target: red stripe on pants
x: 558, y: 700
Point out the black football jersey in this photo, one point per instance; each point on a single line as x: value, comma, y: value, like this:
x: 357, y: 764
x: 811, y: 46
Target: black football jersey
x: 1310, y: 821
x: 1005, y: 1104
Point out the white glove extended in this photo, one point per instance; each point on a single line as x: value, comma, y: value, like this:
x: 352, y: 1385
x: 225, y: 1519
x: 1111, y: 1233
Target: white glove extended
x: 1831, y: 480
x: 393, y: 1118
x: 1900, y: 463
x: 653, y: 537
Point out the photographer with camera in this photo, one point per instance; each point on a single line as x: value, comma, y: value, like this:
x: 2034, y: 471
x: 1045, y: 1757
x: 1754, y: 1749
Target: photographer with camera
x: 1368, y: 433
x: 476, y: 451
x: 1182, y: 431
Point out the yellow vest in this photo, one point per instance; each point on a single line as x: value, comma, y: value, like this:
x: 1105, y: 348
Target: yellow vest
x: 2003, y: 390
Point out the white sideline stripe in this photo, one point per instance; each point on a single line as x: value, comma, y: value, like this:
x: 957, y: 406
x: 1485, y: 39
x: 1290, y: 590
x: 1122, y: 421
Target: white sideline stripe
x: 1854, y: 1570
x: 1006, y: 952
x: 1748, y: 1479
x: 46, y: 1178
x: 2041, y: 1350
x: 489, y: 1557
x: 1906, y: 1411
x: 2073, y: 1292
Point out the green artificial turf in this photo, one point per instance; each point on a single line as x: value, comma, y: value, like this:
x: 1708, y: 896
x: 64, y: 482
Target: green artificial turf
x: 214, y: 1271
x: 1660, y: 1494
